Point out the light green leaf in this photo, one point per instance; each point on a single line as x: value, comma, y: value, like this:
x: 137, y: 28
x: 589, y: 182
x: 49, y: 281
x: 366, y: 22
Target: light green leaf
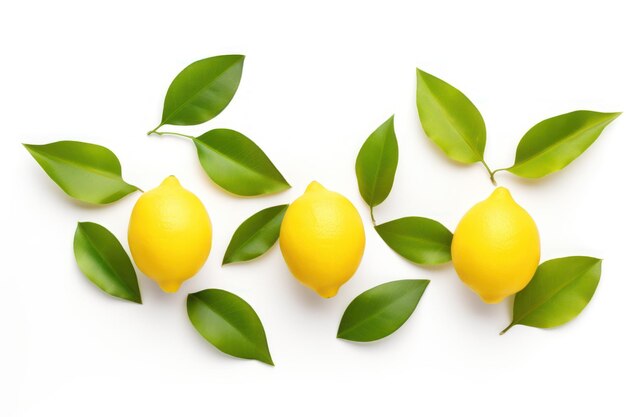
x: 418, y: 239
x: 84, y: 171
x: 101, y: 257
x: 376, y: 164
x: 202, y: 90
x: 256, y: 235
x: 237, y: 164
x: 228, y: 323
x: 560, y: 289
x: 450, y: 119
x: 552, y: 144
x: 380, y: 311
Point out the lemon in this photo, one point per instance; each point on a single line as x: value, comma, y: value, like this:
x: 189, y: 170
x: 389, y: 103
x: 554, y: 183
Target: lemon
x: 322, y: 239
x: 169, y: 234
x: 495, y: 248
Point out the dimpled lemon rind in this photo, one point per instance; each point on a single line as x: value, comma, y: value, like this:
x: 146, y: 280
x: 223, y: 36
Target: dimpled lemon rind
x: 495, y: 249
x: 169, y: 234
x: 322, y: 239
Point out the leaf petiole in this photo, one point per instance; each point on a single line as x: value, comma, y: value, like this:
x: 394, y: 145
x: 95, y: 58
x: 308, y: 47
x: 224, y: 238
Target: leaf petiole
x: 491, y: 173
x: 507, y: 328
x: 171, y: 134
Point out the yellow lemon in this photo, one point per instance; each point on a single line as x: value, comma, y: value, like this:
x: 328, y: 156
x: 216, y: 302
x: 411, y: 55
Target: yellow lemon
x: 322, y: 239
x: 495, y: 249
x: 169, y: 234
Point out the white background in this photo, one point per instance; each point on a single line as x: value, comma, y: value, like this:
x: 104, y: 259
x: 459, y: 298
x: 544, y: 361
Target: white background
x: 319, y: 77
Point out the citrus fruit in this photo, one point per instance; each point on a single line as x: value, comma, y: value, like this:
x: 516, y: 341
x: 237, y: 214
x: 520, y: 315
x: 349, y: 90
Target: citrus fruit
x: 495, y: 248
x: 169, y: 234
x: 322, y: 239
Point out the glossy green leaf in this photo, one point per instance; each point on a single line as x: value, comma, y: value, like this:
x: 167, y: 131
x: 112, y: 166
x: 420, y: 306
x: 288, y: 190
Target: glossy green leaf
x: 376, y: 164
x: 418, y: 239
x: 228, y: 323
x: 560, y: 289
x: 380, y: 311
x: 101, y: 257
x: 256, y: 235
x: 237, y: 164
x: 202, y: 90
x: 552, y: 144
x: 84, y: 171
x: 450, y: 119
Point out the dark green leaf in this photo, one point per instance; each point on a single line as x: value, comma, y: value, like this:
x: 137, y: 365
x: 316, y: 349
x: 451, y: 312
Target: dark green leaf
x: 202, y: 90
x: 560, y: 289
x: 101, y: 257
x: 86, y: 172
x: 237, y: 164
x: 228, y: 323
x: 450, y: 119
x: 418, y: 239
x: 552, y: 144
x: 376, y: 164
x: 380, y: 311
x: 255, y: 235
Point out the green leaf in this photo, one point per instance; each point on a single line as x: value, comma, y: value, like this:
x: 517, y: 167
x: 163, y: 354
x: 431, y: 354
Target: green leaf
x: 380, y: 311
x: 228, y: 323
x: 552, y: 144
x: 87, y: 172
x: 418, y: 239
x: 101, y: 257
x: 202, y: 90
x: 256, y: 235
x: 376, y: 164
x: 560, y: 289
x: 450, y: 119
x: 237, y: 164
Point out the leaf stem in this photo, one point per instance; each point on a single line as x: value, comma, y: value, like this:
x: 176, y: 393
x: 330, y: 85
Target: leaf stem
x: 173, y: 134
x: 155, y: 129
x: 507, y: 328
x: 372, y: 215
x: 491, y: 173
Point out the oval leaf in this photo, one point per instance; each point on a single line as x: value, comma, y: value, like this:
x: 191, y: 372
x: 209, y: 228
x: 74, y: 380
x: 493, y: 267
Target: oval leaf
x: 237, y: 164
x: 376, y: 164
x: 228, y: 323
x: 559, y: 291
x: 552, y: 144
x: 450, y: 119
x: 418, y: 239
x: 256, y: 235
x: 380, y: 311
x: 84, y: 171
x: 202, y: 90
x: 101, y: 257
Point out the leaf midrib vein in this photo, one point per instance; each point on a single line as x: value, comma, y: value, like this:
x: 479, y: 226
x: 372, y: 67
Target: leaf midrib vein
x: 194, y: 95
x: 257, y: 232
x: 557, y: 143
x: 107, y: 262
x: 453, y: 123
x: 238, y: 163
x: 554, y: 294
x: 378, y: 311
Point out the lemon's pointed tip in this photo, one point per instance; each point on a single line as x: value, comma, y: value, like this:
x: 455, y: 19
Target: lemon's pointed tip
x: 169, y: 286
x: 327, y: 292
x: 491, y: 299
x: 171, y: 180
x: 501, y: 192
x: 314, y: 186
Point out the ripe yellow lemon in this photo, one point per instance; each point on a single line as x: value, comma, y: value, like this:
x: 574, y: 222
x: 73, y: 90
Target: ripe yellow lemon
x: 495, y: 248
x: 169, y: 234
x: 322, y: 239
